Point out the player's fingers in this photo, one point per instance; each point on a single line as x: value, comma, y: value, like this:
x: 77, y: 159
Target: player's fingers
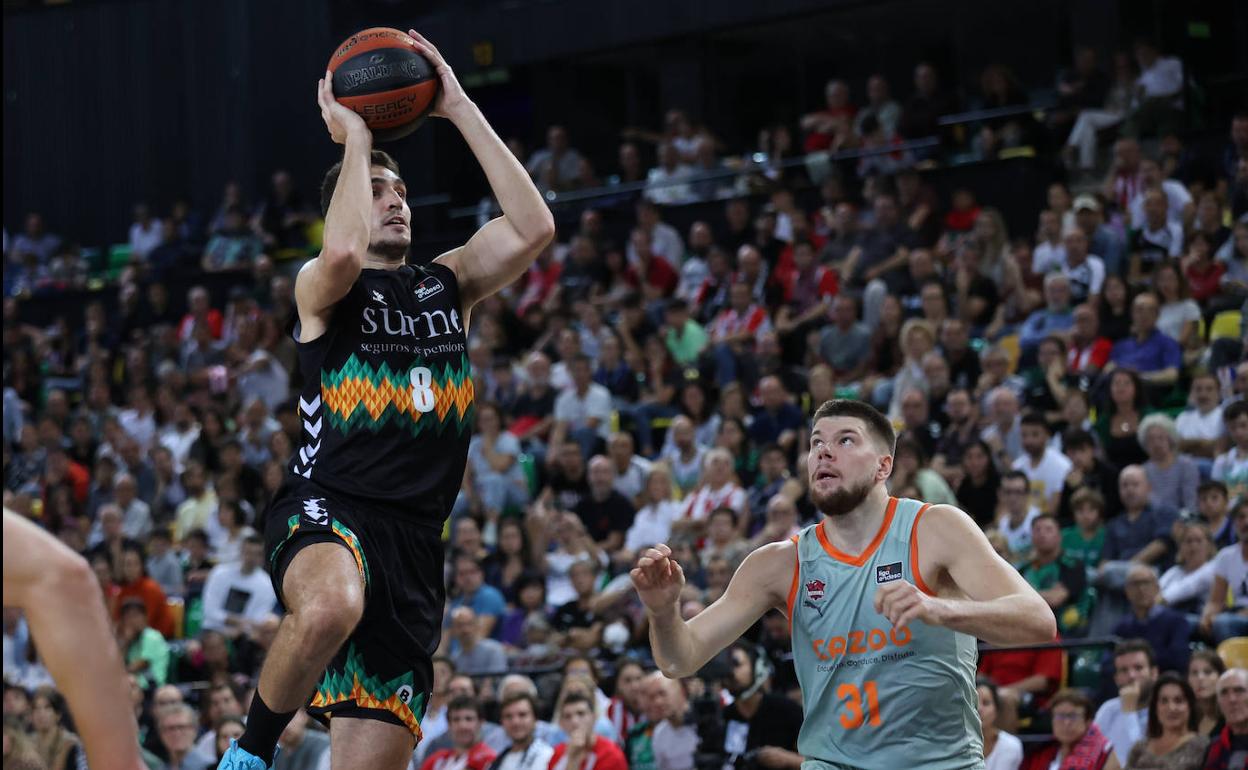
x: 663, y: 549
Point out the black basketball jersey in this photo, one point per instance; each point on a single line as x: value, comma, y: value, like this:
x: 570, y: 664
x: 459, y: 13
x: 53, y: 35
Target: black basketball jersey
x: 387, y: 403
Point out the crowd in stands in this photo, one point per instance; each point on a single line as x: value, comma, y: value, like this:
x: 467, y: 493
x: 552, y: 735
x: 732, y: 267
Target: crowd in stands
x: 1081, y: 391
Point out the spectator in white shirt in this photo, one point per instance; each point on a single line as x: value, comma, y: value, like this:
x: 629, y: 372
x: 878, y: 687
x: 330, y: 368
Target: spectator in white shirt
x: 1158, y: 97
x: 674, y: 741
x: 179, y: 435
x: 1050, y: 253
x: 1085, y: 271
x: 1179, y: 203
x: 1045, y: 467
x: 239, y: 595
x: 557, y: 166
x: 668, y: 182
x: 518, y: 714
x: 1123, y: 719
x: 582, y: 412
x: 665, y: 240
x: 1230, y: 585
x: 1017, y: 513
x: 718, y: 489
x: 1200, y: 427
x: 631, y: 470
x: 653, y: 522
x: 1185, y: 586
x: 145, y: 233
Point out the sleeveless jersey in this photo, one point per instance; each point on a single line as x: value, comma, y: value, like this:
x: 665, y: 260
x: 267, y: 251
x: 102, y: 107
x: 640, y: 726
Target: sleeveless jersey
x: 387, y: 404
x: 876, y: 696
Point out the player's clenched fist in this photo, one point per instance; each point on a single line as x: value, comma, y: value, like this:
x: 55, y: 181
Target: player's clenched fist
x: 901, y: 601
x: 658, y: 578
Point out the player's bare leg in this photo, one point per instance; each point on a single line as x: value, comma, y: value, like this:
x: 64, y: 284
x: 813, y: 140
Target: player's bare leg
x: 367, y: 744
x: 324, y: 597
x: 65, y: 609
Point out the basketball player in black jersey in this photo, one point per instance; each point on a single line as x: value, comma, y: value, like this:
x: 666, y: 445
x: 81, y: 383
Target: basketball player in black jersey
x: 354, y: 536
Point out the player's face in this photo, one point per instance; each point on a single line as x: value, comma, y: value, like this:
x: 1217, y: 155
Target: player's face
x: 391, y: 232
x: 843, y: 464
x: 519, y: 720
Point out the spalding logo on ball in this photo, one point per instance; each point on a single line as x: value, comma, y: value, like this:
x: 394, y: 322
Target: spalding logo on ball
x: 378, y: 73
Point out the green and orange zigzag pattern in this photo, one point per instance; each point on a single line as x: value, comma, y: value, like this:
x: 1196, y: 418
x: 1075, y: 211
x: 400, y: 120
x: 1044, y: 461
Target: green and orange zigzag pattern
x: 361, y: 396
x: 348, y: 537
x: 353, y: 684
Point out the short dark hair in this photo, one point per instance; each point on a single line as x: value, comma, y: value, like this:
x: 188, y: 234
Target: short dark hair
x: 1129, y: 646
x: 464, y: 703
x: 1235, y: 410
x: 254, y: 538
x: 1212, y: 485
x: 877, y: 424
x: 1085, y: 496
x: 516, y: 697
x: 1011, y: 475
x: 330, y: 182
x: 1193, y: 707
x: 1077, y: 438
x: 1031, y: 418
x: 1043, y: 516
x: 573, y: 697
x: 723, y: 510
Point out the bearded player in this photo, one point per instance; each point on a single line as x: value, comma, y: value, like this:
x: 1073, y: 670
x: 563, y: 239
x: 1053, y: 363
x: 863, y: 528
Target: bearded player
x: 885, y: 598
x: 354, y: 536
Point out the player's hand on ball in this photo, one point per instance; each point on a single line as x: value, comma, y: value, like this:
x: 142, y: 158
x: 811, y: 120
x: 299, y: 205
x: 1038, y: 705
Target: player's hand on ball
x: 339, y: 119
x: 658, y: 578
x: 901, y: 601
x: 452, y: 96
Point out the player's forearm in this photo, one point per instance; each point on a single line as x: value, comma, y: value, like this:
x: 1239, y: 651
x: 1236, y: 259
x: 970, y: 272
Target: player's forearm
x: 517, y: 196
x: 347, y: 220
x: 1021, y: 618
x: 673, y: 644
x: 68, y: 622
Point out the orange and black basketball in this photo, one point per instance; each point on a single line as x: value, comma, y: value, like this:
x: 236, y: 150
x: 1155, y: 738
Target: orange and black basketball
x: 378, y: 73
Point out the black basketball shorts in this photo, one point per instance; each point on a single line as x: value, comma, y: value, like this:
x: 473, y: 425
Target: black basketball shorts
x: 384, y: 671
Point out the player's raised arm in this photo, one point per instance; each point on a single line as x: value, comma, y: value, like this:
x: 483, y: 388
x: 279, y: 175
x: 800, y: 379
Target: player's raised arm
x: 500, y: 252
x: 326, y: 279
x: 978, y: 593
x: 63, y: 604
x: 681, y: 648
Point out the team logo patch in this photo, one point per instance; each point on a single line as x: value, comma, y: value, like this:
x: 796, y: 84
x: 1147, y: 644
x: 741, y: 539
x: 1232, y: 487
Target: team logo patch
x: 404, y: 694
x: 887, y: 573
x: 377, y: 296
x: 427, y: 288
x: 814, y: 590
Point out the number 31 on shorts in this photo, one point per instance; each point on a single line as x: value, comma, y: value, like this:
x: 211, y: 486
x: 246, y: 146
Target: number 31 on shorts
x: 422, y: 389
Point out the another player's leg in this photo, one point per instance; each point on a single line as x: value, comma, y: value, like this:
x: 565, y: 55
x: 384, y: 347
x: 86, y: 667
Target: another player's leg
x: 324, y: 596
x: 65, y: 609
x: 369, y: 744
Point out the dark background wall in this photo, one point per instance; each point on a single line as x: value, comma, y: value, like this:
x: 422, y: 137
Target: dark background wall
x: 109, y: 102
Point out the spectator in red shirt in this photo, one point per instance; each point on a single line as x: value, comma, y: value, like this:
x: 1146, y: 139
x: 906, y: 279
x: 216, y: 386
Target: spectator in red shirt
x: 199, y: 309
x: 735, y: 331
x: 468, y: 751
x: 653, y: 274
x: 1024, y: 677
x: 824, y: 127
x: 584, y: 750
x: 1203, y: 273
x: 1088, y: 349
x: 135, y: 582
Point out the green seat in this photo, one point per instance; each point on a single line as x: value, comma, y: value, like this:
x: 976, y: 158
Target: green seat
x: 529, y: 467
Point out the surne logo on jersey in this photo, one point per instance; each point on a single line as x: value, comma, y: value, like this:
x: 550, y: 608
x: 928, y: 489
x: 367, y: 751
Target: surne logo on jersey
x: 427, y: 288
x: 887, y: 573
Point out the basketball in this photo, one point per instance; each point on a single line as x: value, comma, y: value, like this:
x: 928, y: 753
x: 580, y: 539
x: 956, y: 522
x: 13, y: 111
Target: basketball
x: 378, y: 73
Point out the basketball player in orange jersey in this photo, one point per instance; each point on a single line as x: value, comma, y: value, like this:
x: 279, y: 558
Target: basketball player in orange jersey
x: 885, y: 598
x: 65, y: 609
x: 353, y: 537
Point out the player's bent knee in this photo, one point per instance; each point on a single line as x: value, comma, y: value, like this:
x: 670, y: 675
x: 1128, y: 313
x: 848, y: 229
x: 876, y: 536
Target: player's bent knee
x: 333, y: 616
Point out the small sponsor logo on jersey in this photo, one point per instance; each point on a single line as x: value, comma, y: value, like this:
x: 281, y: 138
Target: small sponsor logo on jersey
x: 312, y: 508
x: 427, y: 288
x: 377, y: 296
x: 405, y: 694
x: 887, y: 573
